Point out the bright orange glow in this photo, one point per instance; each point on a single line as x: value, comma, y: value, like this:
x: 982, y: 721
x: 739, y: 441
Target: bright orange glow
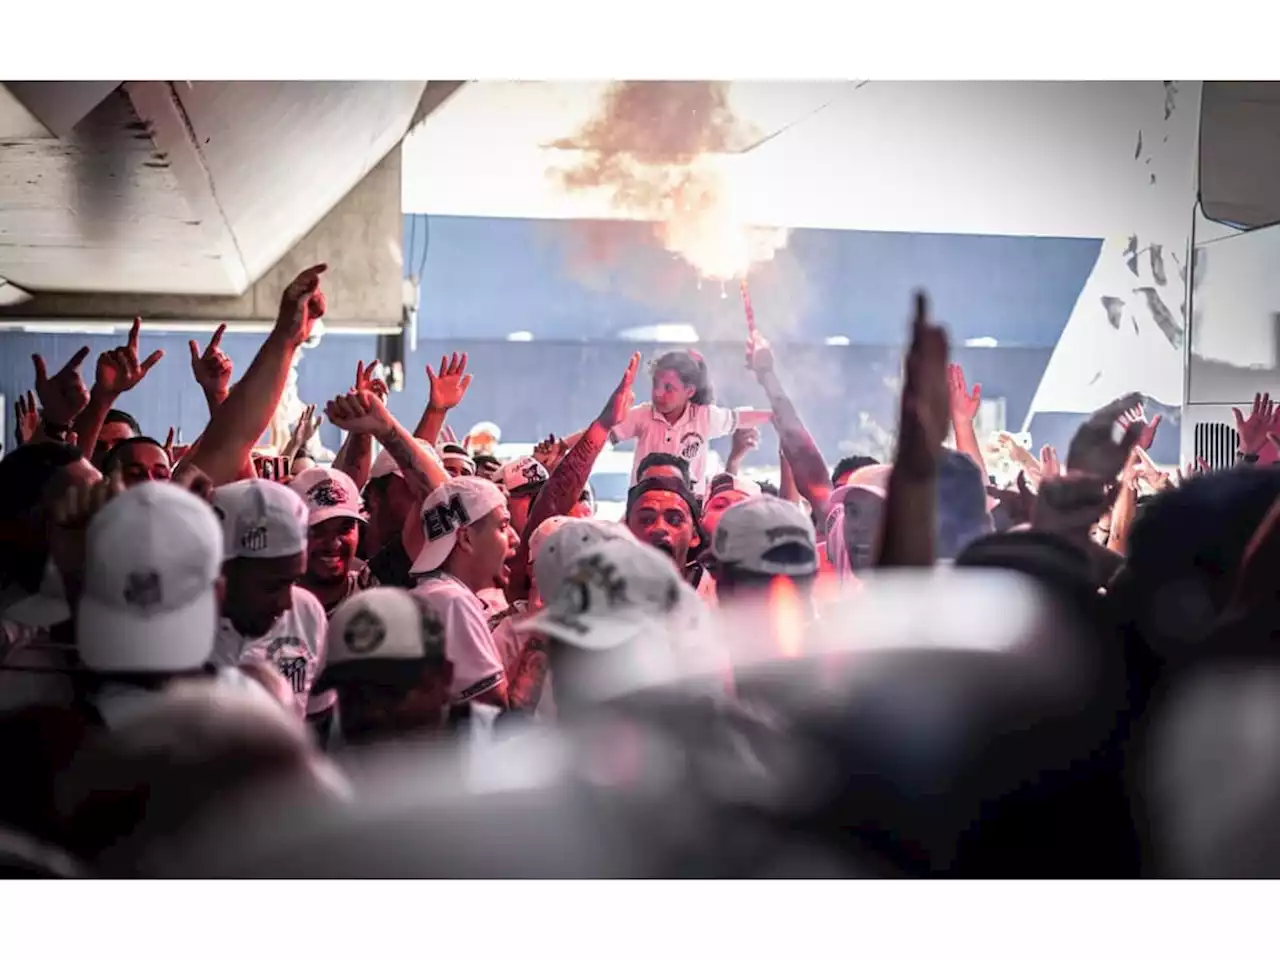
x: 787, y: 612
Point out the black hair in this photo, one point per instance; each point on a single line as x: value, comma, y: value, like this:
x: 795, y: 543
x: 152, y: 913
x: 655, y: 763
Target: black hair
x: 689, y: 366
x: 850, y: 464
x: 660, y: 459
x: 768, y: 489
x: 119, y: 416
x: 111, y: 459
x: 26, y: 472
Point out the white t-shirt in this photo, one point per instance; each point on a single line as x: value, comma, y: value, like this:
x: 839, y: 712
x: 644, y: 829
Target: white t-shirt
x: 295, y: 646
x: 468, y: 644
x: 688, y: 437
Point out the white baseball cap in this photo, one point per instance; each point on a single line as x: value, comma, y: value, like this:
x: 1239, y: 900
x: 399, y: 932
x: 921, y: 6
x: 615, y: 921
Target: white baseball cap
x: 558, y: 543
x: 379, y: 626
x: 766, y: 535
x: 458, y: 503
x: 327, y: 493
x: 152, y: 557
x: 384, y: 463
x: 618, y: 591
x: 522, y: 475
x: 261, y: 520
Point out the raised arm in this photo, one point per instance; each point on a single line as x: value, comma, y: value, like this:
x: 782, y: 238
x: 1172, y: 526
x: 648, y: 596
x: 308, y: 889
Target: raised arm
x: 964, y: 407
x: 355, y: 456
x: 62, y: 398
x: 364, y: 412
x: 911, y: 500
x: 561, y: 491
x: 118, y: 372
x: 240, y: 420
x: 808, y: 468
x: 448, y: 387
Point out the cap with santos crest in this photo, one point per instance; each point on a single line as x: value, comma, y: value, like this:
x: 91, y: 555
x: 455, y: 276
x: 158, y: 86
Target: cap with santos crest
x: 153, y: 555
x: 382, y: 633
x: 261, y: 519
x: 327, y: 493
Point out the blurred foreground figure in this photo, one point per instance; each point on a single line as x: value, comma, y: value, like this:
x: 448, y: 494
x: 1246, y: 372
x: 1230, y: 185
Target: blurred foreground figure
x: 208, y: 757
x: 900, y: 743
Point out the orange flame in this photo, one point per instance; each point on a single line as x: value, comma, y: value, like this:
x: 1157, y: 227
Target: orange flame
x: 662, y: 151
x: 787, y: 612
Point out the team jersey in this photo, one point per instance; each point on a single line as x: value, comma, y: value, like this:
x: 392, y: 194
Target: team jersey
x: 468, y: 644
x: 294, y: 646
x: 687, y: 438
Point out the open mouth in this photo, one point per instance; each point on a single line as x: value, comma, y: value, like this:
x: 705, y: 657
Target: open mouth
x: 666, y: 547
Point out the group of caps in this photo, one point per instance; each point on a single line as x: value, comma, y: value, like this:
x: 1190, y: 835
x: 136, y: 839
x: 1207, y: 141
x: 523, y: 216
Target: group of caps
x: 151, y: 593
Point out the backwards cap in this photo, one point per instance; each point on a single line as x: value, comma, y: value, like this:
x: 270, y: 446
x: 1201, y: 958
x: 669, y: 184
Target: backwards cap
x: 769, y: 536
x: 453, y: 505
x: 152, y: 559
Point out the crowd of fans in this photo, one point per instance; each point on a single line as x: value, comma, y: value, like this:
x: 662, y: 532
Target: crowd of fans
x: 184, y: 626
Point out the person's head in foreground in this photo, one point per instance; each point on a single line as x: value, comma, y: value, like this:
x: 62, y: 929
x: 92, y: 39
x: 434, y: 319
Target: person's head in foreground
x: 334, y: 517
x: 143, y: 798
x: 138, y: 460
x: 33, y: 477
x: 116, y: 427
x: 468, y: 534
x: 152, y: 585
x: 758, y: 541
x: 386, y: 660
x: 265, y: 551
x: 522, y: 478
x: 621, y: 619
x: 457, y: 462
x: 662, y: 464
x: 722, y: 493
x: 679, y: 379
x: 556, y: 545
x: 664, y: 514
x: 388, y: 499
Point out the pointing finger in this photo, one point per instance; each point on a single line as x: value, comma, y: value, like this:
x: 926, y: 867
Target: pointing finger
x: 75, y: 361
x: 195, y: 351
x: 134, y: 333
x: 217, y: 337
x: 42, y: 375
x: 152, y: 360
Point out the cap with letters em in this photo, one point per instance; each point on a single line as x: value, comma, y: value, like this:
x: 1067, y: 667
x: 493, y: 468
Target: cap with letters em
x: 453, y: 505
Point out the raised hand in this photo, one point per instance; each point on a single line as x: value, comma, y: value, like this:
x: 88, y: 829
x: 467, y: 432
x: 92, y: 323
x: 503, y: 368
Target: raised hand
x: 1101, y: 446
x: 366, y: 380
x: 550, y: 452
x: 119, y: 370
x: 1050, y: 465
x: 964, y: 405
x: 1138, y: 415
x: 71, y: 513
x: 447, y: 435
x: 623, y: 397
x: 926, y: 409
x: 64, y: 395
x: 28, y: 417
x: 359, y: 412
x: 303, y: 430
x: 301, y: 305
x: 168, y: 446
x: 759, y: 354
x: 1264, y: 418
x: 449, y: 383
x: 211, y: 367
x: 744, y: 441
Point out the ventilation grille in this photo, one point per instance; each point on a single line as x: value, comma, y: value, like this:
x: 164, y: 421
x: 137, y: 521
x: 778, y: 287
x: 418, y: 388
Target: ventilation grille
x: 1217, y: 443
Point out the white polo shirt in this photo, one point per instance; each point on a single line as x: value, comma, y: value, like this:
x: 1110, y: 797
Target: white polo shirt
x: 294, y: 646
x: 687, y: 438
x: 468, y: 644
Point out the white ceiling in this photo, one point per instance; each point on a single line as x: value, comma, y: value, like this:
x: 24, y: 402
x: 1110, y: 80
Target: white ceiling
x: 180, y: 188
x: 1040, y: 159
